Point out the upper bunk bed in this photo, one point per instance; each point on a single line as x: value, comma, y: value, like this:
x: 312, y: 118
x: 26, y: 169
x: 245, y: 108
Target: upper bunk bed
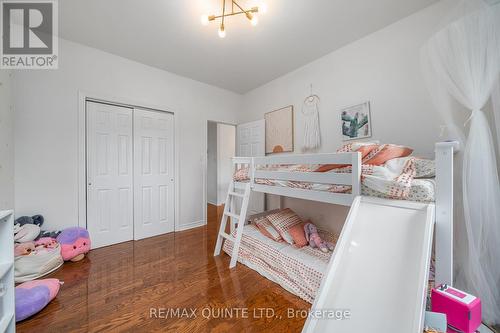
x: 272, y: 174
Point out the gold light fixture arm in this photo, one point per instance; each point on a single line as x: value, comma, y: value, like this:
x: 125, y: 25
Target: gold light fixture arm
x: 248, y: 13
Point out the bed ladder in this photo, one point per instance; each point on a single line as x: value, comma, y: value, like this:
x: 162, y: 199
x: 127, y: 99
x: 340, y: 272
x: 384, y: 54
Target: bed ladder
x: 237, y: 220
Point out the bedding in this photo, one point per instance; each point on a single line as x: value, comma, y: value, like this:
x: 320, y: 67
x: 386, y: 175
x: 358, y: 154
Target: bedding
x: 283, y: 221
x: 400, y: 177
x: 267, y: 229
x: 298, y: 270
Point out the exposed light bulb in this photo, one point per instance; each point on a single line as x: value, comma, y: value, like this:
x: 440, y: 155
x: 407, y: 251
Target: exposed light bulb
x: 263, y: 8
x: 255, y: 20
x: 204, y: 19
x: 222, y: 31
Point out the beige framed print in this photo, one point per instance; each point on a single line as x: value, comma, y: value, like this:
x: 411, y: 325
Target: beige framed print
x: 279, y: 130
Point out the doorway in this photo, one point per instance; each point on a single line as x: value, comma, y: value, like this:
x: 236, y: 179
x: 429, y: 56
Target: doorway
x: 129, y: 172
x: 221, y: 148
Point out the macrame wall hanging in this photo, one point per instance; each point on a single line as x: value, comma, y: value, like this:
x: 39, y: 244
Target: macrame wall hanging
x: 310, y: 112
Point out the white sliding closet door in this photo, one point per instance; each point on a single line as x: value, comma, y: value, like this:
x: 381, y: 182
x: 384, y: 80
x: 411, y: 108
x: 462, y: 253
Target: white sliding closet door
x: 153, y: 173
x: 109, y: 174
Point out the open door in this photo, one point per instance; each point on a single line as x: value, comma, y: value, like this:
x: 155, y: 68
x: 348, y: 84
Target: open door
x: 251, y: 142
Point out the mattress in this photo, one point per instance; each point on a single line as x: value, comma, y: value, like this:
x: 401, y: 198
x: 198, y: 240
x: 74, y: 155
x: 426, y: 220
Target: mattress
x: 421, y: 190
x: 298, y: 270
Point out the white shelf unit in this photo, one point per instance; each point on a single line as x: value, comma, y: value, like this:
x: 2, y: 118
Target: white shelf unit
x: 7, y: 296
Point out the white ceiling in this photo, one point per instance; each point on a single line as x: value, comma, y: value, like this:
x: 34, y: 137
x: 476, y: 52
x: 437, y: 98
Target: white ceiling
x: 168, y: 34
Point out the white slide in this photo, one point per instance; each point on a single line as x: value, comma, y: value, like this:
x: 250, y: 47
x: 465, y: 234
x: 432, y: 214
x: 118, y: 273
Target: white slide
x: 377, y: 278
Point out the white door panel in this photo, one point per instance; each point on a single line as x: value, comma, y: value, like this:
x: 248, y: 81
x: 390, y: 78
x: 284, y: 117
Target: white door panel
x: 154, y: 173
x: 251, y: 142
x: 109, y: 174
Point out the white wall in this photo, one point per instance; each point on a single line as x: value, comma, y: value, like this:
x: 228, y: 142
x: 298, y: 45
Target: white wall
x: 383, y: 68
x: 226, y: 150
x: 212, y: 163
x: 46, y: 103
x: 6, y: 142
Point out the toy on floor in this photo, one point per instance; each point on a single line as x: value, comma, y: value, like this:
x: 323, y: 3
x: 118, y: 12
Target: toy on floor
x: 24, y: 249
x: 35, y: 219
x: 75, y: 243
x: 37, y: 263
x: 463, y: 311
x: 33, y: 296
x: 26, y: 232
x: 46, y: 242
x: 315, y: 240
x: 51, y: 234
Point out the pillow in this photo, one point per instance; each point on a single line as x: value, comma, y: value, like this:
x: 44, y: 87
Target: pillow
x: 298, y: 235
x: 364, y: 149
x: 241, y: 175
x: 282, y: 221
x: 37, y: 264
x: 33, y: 296
x: 266, y: 228
x: 26, y: 233
x: 386, y: 153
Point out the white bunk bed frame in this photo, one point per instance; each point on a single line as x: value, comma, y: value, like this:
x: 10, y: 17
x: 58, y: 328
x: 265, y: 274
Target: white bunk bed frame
x: 443, y: 196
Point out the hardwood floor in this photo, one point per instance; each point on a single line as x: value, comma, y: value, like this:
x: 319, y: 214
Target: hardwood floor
x: 129, y: 287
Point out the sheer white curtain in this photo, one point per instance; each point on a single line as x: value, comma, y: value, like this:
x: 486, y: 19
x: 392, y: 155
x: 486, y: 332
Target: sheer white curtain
x: 463, y: 58
x: 495, y: 101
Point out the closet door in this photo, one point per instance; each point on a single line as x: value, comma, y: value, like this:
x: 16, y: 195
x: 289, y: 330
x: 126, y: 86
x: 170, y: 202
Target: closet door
x: 153, y: 173
x: 251, y: 142
x: 109, y: 174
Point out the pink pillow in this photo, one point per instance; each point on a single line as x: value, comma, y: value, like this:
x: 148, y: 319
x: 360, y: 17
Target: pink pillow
x: 266, y: 228
x: 386, y: 153
x: 283, y: 221
x: 298, y: 235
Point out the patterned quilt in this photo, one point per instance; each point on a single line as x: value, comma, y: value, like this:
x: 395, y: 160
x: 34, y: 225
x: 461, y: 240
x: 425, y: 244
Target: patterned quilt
x: 298, y: 270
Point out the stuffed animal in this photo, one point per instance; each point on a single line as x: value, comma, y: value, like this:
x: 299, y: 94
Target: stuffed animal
x: 33, y: 296
x: 39, y: 262
x: 35, y: 219
x: 314, y: 239
x: 75, y: 243
x: 23, y: 249
x: 46, y: 242
x: 26, y: 232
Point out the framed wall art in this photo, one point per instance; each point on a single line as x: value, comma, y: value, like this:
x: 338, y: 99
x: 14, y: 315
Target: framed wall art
x: 279, y: 130
x: 356, y: 122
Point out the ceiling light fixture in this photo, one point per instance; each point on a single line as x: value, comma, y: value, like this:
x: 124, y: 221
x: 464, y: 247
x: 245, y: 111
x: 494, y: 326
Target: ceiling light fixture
x: 249, y: 13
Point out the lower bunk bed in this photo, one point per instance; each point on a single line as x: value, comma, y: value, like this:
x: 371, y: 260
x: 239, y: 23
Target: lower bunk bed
x: 298, y: 270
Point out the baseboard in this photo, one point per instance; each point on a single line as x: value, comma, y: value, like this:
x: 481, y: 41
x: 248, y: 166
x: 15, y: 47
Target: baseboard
x: 191, y: 225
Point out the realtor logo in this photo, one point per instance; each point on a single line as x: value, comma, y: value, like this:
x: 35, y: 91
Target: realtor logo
x: 29, y: 34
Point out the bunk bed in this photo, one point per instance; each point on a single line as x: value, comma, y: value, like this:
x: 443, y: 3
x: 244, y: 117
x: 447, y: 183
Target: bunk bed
x: 266, y: 174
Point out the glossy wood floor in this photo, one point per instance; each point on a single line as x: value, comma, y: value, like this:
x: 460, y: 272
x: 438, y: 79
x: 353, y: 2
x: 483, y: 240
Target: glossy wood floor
x: 117, y: 288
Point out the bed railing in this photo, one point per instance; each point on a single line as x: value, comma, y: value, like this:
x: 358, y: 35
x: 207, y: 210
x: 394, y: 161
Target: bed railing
x: 256, y: 171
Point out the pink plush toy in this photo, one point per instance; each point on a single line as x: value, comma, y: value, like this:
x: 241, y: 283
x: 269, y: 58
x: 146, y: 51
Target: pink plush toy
x: 23, y: 249
x: 33, y: 296
x: 75, y: 243
x: 315, y: 240
x: 46, y: 242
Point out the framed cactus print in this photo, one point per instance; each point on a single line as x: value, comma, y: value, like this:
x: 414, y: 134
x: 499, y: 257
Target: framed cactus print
x: 356, y: 122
